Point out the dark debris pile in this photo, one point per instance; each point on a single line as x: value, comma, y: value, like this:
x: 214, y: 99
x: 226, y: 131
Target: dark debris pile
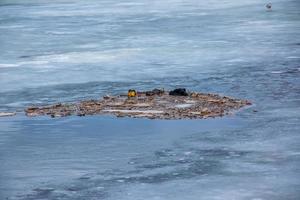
x: 155, y: 104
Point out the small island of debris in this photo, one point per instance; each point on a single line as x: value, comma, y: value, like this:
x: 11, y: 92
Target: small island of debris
x: 154, y: 104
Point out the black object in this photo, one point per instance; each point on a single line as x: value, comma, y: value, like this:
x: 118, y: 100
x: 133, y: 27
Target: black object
x: 179, y: 92
x: 155, y: 92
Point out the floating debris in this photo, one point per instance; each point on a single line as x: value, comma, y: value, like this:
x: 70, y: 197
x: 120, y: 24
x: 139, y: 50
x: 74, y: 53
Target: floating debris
x: 7, y: 114
x: 155, y: 104
x: 269, y: 6
x: 131, y: 93
x: 155, y: 92
x: 179, y: 92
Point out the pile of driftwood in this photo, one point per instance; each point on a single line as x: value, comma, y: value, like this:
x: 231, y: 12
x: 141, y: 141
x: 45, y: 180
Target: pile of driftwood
x: 155, y: 104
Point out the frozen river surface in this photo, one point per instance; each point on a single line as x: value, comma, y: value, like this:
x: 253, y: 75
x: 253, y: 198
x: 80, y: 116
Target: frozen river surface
x: 52, y: 51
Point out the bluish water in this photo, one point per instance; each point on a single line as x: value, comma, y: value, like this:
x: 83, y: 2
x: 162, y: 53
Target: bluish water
x: 53, y: 51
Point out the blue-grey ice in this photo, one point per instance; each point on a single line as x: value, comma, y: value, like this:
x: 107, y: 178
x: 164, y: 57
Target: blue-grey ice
x: 67, y: 50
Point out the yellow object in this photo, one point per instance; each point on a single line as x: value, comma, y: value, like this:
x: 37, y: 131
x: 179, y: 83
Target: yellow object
x: 132, y: 93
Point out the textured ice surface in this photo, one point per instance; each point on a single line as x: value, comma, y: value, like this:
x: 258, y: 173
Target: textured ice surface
x: 68, y: 50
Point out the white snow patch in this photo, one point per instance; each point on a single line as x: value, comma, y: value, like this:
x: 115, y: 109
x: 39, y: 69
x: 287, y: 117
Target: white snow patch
x: 135, y: 111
